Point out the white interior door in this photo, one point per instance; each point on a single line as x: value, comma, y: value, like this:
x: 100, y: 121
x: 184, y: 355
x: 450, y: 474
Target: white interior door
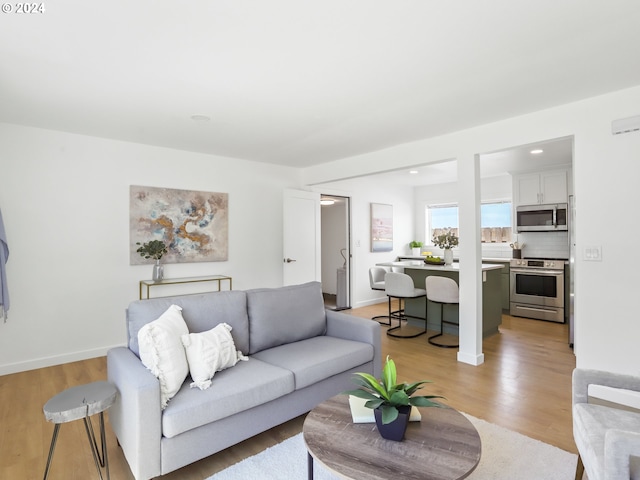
x: 301, y: 237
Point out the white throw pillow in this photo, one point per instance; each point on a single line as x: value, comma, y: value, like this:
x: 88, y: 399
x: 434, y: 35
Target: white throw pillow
x: 161, y: 351
x: 209, y: 352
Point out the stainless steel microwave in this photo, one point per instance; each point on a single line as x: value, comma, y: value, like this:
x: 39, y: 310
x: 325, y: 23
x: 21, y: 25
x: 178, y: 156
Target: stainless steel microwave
x: 542, y: 218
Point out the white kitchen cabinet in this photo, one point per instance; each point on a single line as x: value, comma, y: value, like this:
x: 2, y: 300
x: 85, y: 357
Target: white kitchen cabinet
x: 540, y: 188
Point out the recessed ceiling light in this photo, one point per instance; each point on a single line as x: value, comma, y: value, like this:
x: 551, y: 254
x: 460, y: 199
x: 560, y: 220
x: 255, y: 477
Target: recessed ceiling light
x: 413, y: 172
x: 537, y: 151
x: 200, y: 118
x: 327, y: 201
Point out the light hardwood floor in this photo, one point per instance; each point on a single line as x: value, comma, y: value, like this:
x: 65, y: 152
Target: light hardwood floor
x: 523, y: 385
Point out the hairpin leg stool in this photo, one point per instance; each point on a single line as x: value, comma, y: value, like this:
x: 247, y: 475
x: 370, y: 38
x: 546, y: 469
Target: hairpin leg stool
x: 80, y: 403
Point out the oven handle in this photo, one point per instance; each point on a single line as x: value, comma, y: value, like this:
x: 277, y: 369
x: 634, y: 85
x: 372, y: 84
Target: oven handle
x: 531, y: 271
x: 537, y: 309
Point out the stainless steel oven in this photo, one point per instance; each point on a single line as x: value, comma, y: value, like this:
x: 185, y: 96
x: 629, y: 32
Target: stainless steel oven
x: 537, y: 289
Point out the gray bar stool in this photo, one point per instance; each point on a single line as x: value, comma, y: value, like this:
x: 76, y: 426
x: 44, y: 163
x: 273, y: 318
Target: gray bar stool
x: 400, y: 286
x: 376, y: 282
x: 443, y: 291
x: 80, y: 403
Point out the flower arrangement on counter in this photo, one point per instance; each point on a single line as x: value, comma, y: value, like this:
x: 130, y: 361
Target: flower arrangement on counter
x: 446, y: 241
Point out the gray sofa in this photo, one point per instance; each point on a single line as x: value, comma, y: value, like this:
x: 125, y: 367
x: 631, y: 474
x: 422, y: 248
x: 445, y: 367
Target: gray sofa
x: 299, y: 355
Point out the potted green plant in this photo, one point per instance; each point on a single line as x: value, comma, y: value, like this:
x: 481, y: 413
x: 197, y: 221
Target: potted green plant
x: 391, y: 401
x: 154, y: 249
x: 446, y: 241
x: 415, y: 247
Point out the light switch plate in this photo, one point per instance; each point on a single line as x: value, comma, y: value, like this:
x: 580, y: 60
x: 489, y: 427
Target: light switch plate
x: 592, y: 253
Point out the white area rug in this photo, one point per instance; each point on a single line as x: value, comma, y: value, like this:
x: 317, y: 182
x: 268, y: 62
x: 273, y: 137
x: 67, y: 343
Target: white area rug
x: 506, y: 455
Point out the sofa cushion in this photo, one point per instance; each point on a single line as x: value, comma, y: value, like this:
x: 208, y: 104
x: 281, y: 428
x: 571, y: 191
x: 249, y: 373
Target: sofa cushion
x: 284, y: 315
x: 201, y: 313
x: 210, y: 352
x: 234, y: 390
x: 317, y: 358
x: 161, y: 351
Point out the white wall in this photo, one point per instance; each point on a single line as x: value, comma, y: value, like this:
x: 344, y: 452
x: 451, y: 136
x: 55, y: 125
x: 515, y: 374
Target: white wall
x: 65, y: 203
x: 607, y: 195
x: 605, y: 186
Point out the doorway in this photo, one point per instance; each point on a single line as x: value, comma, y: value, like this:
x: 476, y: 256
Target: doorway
x: 335, y: 221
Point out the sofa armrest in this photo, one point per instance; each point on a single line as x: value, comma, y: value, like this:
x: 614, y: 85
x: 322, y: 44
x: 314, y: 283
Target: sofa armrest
x: 136, y: 415
x: 349, y: 327
x: 582, y: 378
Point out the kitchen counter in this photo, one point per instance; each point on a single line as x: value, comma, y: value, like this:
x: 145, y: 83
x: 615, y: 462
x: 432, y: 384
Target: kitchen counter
x: 455, y: 260
x: 421, y: 265
x: 491, y: 295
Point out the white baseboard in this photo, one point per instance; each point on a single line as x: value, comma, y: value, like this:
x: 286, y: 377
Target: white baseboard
x: 474, y: 360
x: 54, y: 360
x: 374, y: 301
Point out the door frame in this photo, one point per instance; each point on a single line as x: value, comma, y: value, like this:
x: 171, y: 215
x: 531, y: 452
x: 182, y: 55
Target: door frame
x: 347, y: 246
x: 350, y: 258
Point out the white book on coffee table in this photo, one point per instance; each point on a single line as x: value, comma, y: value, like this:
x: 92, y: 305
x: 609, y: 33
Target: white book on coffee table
x: 362, y: 414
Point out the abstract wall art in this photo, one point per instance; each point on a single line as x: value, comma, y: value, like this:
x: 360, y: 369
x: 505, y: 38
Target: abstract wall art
x: 194, y: 225
x: 381, y: 227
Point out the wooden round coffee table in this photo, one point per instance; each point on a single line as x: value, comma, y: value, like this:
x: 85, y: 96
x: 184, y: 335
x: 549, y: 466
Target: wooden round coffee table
x: 443, y: 445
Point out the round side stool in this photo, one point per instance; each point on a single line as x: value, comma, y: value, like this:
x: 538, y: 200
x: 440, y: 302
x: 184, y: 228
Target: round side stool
x: 80, y: 403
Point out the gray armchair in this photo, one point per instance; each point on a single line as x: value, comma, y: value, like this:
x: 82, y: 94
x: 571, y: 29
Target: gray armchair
x: 607, y: 437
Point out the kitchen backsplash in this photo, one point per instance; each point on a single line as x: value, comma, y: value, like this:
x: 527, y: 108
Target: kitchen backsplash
x: 495, y: 250
x: 536, y: 244
x: 544, y: 244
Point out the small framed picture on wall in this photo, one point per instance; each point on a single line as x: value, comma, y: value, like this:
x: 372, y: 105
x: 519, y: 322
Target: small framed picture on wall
x: 381, y: 227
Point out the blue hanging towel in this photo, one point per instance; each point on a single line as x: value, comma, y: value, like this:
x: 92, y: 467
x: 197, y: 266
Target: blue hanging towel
x: 4, y: 255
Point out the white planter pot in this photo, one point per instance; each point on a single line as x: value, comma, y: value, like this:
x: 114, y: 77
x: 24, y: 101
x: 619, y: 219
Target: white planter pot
x: 448, y: 256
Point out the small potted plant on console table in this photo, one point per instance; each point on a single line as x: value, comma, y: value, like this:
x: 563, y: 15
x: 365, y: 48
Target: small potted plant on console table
x: 154, y: 249
x: 391, y: 402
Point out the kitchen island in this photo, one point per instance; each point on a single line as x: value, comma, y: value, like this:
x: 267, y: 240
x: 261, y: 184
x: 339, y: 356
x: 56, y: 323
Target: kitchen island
x: 418, y: 270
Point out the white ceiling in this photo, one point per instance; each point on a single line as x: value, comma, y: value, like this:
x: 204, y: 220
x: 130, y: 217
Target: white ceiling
x: 303, y: 82
x: 556, y: 153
